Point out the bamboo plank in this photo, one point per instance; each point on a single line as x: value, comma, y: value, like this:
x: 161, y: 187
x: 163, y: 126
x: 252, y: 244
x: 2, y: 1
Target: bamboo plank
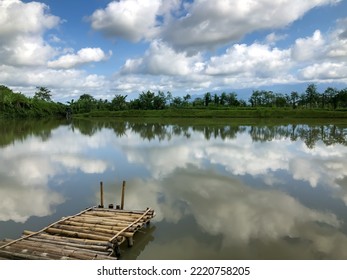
x: 75, y: 245
x: 76, y: 234
x: 120, y: 232
x: 139, y: 212
x: 82, y: 230
x: 54, y: 251
x: 19, y: 256
x: 26, y: 236
x: 100, y: 232
x: 113, y: 218
x: 75, y: 240
x: 91, y: 226
x: 26, y: 252
x: 108, y: 222
x: 89, y: 234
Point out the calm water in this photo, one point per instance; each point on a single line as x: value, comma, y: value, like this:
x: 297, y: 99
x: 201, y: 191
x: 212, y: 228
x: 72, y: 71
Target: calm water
x: 220, y: 190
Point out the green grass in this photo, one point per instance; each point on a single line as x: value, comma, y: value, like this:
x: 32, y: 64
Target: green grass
x: 211, y: 113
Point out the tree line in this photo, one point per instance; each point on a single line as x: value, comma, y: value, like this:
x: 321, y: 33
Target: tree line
x: 41, y: 104
x: 13, y: 104
x: 331, y: 98
x: 309, y: 134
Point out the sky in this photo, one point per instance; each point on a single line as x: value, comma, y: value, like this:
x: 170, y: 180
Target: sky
x: 103, y: 47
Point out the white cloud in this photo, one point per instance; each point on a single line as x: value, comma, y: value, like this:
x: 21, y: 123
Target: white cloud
x: 328, y: 71
x: 321, y: 57
x: 17, y: 17
x: 83, y: 56
x: 236, y: 212
x: 129, y: 19
x: 21, y: 29
x: 306, y: 49
x: 56, y: 79
x: 255, y: 60
x: 160, y: 59
x: 208, y: 24
x: 26, y: 56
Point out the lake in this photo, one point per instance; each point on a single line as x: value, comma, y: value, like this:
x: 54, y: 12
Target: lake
x: 221, y: 189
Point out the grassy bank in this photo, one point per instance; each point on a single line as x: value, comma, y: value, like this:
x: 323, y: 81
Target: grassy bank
x: 217, y: 113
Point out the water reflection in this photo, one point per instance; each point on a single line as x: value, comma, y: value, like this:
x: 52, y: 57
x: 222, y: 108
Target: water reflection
x: 220, y: 189
x: 237, y: 217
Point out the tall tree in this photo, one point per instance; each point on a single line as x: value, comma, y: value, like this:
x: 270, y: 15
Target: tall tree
x: 294, y: 96
x: 43, y: 93
x: 119, y: 102
x: 207, y: 98
x: 312, y: 95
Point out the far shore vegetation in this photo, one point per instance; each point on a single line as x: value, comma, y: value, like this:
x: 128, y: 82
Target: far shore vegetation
x: 332, y: 103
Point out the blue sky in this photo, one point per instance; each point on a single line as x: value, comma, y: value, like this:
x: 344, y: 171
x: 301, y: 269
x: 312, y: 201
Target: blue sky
x: 104, y: 47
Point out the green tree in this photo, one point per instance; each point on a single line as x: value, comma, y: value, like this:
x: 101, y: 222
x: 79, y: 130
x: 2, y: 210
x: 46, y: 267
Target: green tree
x: 146, y: 100
x: 331, y: 95
x: 159, y: 101
x: 207, y: 98
x: 294, y: 96
x: 231, y: 99
x: 312, y: 95
x: 119, y: 102
x: 43, y: 93
x: 85, y: 103
x: 186, y: 99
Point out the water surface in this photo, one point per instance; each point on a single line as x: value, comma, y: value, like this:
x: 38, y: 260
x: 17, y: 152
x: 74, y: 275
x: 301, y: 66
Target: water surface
x: 221, y: 189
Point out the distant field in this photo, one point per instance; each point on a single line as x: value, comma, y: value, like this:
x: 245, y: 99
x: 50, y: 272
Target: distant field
x: 218, y: 113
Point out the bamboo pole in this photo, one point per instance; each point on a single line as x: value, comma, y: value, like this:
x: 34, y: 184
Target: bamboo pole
x: 123, y: 194
x: 104, y: 222
x: 72, y: 240
x: 44, y: 229
x: 92, y: 226
x: 44, y: 248
x: 139, y: 212
x: 100, y: 232
x: 120, y: 232
x: 72, y: 245
x: 15, y: 255
x: 101, y: 195
x: 76, y: 234
x: 98, y: 220
x: 83, y: 230
x: 111, y: 218
x: 116, y: 214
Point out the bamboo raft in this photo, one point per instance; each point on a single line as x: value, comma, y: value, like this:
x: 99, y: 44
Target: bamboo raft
x: 93, y: 234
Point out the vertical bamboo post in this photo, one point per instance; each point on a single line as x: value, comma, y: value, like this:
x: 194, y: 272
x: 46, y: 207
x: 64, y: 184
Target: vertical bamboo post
x: 123, y: 193
x: 101, y: 195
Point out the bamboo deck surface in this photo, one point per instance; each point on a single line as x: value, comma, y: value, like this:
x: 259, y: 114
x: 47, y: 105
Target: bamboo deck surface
x: 94, y: 233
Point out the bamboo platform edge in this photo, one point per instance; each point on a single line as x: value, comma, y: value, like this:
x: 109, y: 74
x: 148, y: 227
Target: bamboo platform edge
x: 77, y: 239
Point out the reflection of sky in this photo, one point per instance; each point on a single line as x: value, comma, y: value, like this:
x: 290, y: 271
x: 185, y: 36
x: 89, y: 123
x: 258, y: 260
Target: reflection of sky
x: 241, y: 156
x: 206, y: 180
x: 27, y: 168
x: 239, y: 215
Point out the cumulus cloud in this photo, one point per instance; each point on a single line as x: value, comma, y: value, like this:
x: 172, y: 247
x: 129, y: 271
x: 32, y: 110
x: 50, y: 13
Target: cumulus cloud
x: 57, y: 79
x: 160, y: 59
x: 324, y: 71
x: 236, y: 212
x: 28, y: 59
x: 17, y: 17
x: 198, y: 25
x: 129, y: 19
x: 83, y: 56
x: 255, y: 60
x: 21, y: 28
x: 321, y: 57
x: 208, y: 24
x: 308, y: 48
